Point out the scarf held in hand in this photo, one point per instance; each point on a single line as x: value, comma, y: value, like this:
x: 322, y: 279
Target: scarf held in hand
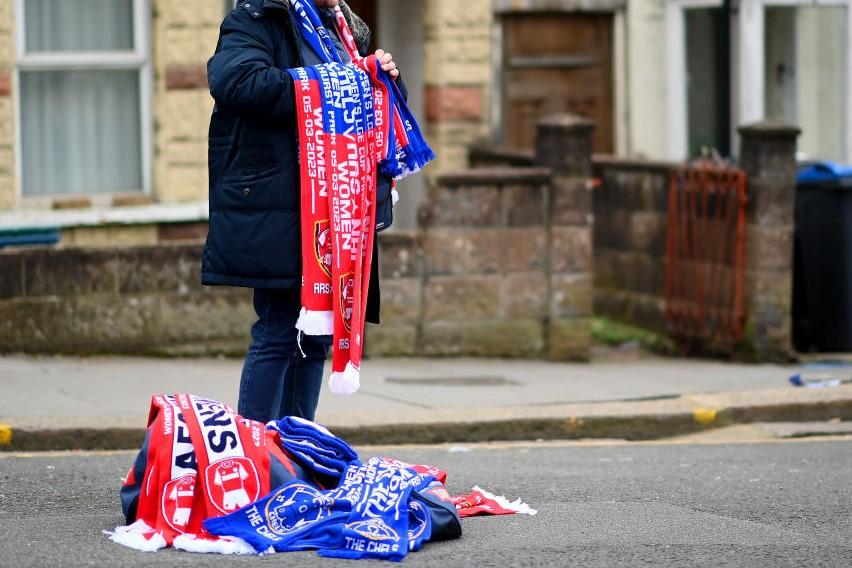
x: 353, y: 124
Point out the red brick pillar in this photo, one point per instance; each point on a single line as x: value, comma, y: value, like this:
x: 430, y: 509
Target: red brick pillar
x: 564, y: 145
x: 769, y: 160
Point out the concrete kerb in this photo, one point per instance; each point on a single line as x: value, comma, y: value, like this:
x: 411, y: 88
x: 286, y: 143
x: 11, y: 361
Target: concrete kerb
x: 643, y: 420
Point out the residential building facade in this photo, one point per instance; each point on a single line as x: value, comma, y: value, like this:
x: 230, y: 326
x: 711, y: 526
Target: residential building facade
x: 104, y: 105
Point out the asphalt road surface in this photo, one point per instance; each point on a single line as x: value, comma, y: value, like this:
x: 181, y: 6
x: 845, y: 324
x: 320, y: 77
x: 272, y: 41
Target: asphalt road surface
x: 765, y: 504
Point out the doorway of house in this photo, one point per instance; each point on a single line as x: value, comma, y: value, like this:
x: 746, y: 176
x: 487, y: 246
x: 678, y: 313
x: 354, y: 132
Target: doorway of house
x: 367, y: 10
x: 398, y: 27
x: 552, y: 63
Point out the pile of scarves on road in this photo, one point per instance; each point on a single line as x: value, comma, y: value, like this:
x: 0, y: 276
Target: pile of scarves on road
x: 208, y: 480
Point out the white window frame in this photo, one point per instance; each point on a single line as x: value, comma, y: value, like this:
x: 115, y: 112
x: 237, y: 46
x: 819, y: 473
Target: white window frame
x: 138, y: 59
x: 747, y: 65
x: 677, y: 132
x: 752, y: 59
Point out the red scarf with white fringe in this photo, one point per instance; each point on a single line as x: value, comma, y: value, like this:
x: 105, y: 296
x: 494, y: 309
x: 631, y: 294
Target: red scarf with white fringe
x: 353, y: 122
x: 203, y: 461
x: 343, y: 130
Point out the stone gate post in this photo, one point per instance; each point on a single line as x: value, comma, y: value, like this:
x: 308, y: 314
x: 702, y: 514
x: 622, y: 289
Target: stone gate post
x: 768, y: 157
x: 564, y: 145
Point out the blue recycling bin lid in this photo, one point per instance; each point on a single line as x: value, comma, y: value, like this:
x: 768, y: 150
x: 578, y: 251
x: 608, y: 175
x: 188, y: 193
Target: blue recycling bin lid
x: 824, y: 171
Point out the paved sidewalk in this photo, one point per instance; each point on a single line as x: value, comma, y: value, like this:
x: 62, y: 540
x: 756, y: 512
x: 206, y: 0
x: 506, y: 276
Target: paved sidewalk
x: 53, y: 403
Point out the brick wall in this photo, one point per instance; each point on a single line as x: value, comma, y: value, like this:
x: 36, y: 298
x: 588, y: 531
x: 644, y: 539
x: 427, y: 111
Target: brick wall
x: 630, y: 209
x: 184, y: 37
x: 458, y: 76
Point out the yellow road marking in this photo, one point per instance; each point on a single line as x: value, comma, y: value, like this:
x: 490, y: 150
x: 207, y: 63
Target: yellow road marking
x: 5, y: 435
x: 705, y: 416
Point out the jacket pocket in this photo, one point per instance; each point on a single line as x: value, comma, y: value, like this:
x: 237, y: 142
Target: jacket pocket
x: 257, y: 188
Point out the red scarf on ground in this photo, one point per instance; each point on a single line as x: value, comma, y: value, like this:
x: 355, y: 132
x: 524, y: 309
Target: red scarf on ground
x: 203, y: 461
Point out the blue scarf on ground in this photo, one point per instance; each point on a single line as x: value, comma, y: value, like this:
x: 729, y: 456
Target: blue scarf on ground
x: 372, y: 514
x: 317, y: 449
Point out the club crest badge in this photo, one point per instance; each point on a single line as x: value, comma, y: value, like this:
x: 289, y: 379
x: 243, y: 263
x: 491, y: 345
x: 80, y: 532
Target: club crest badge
x: 418, y: 520
x: 294, y: 507
x: 374, y: 529
x: 347, y: 298
x: 232, y: 483
x: 322, y: 245
x: 178, y: 496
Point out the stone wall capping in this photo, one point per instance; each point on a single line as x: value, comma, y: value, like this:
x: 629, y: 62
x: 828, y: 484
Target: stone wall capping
x: 510, y: 156
x: 566, y: 120
x: 632, y: 163
x: 770, y: 129
x: 495, y: 176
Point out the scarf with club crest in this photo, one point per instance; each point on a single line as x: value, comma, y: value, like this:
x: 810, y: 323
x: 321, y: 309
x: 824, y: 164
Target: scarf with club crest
x: 200, y: 460
x: 353, y: 125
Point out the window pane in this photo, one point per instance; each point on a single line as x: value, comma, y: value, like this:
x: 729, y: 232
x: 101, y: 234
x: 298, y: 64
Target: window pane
x: 805, y: 75
x: 78, y: 25
x: 80, y: 132
x: 708, y: 85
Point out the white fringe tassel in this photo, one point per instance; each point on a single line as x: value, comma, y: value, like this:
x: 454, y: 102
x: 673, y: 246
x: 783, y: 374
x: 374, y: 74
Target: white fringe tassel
x: 220, y: 545
x: 347, y: 382
x: 517, y: 505
x: 311, y: 322
x: 394, y: 197
x: 138, y: 536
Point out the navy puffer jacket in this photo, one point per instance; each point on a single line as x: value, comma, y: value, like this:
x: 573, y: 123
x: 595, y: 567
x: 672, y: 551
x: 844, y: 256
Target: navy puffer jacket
x: 254, y: 236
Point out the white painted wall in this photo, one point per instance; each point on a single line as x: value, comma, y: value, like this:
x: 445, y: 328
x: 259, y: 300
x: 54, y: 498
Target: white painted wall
x: 821, y: 63
x: 647, y: 120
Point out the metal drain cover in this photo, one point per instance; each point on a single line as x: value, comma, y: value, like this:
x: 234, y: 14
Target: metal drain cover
x: 453, y: 381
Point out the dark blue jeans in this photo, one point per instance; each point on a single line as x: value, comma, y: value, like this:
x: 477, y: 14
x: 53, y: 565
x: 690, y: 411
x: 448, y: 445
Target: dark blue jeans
x: 278, y: 380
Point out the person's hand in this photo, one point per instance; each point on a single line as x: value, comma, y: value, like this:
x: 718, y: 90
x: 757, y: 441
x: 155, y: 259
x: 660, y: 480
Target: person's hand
x: 387, y: 62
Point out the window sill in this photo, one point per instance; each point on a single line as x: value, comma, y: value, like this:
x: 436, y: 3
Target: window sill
x: 23, y: 220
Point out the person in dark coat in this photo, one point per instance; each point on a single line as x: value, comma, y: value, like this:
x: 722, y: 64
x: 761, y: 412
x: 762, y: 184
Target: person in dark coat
x: 254, y: 235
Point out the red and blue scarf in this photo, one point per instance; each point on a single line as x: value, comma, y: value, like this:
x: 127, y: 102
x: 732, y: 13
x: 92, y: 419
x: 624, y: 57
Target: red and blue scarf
x: 353, y: 126
x: 200, y: 460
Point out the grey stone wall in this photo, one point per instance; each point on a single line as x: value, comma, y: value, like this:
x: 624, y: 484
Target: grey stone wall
x: 130, y: 300
x: 485, y: 243
x: 630, y: 212
x: 506, y: 262
x: 769, y: 160
x: 500, y: 265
